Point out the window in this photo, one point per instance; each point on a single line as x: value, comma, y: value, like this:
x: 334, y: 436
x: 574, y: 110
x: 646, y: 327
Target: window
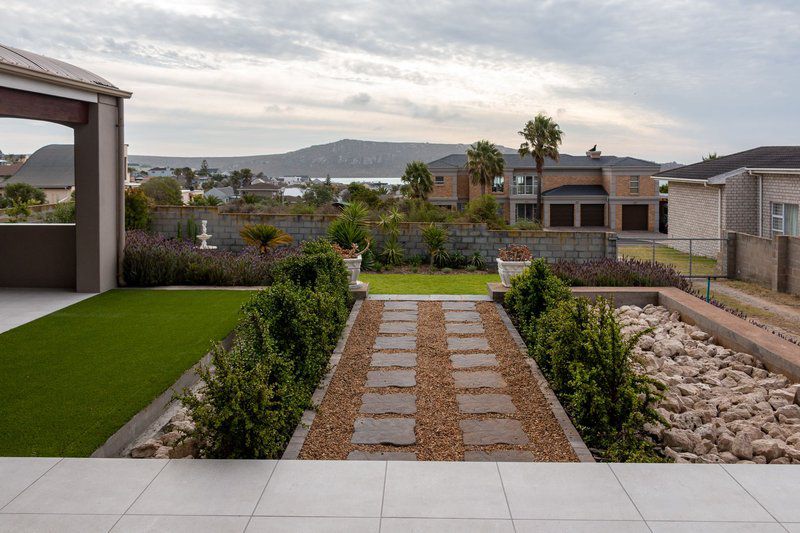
x: 634, y: 184
x: 439, y: 180
x: 497, y: 184
x: 524, y: 185
x: 526, y: 211
x: 784, y: 219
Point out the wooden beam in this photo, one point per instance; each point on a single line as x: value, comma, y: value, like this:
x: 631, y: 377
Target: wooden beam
x: 33, y: 106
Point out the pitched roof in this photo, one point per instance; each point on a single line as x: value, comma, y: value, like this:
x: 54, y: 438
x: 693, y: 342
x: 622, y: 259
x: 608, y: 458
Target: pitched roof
x: 773, y: 157
x: 577, y: 190
x: 9, y: 169
x: 49, y: 167
x: 565, y: 161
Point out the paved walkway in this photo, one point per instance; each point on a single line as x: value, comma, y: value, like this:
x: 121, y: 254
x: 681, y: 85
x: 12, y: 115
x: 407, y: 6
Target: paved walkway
x: 19, y: 306
x: 88, y: 495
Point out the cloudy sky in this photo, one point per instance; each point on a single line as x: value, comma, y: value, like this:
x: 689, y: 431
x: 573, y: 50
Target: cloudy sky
x: 663, y: 80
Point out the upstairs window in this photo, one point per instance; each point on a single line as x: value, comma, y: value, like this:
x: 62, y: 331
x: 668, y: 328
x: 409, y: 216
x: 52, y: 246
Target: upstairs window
x: 497, y: 184
x: 634, y: 185
x: 439, y: 180
x: 784, y: 219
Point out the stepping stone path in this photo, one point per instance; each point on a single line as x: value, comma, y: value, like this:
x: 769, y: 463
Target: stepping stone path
x: 486, y: 409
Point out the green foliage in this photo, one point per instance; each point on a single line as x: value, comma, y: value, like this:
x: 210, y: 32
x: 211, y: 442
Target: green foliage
x: 542, y: 138
x: 389, y: 224
x: 302, y: 209
x: 63, y: 213
x: 20, y: 211
x: 318, y: 194
x: 361, y: 193
x: 527, y: 225
x: 264, y: 236
x: 418, y: 179
x: 22, y: 193
x: 663, y: 188
x: 477, y: 261
x: 484, y: 162
x: 435, y: 238
x: 485, y: 210
x: 163, y: 191
x: 202, y: 201
x: 532, y: 292
x: 137, y: 209
x: 424, y: 211
x: 351, y: 226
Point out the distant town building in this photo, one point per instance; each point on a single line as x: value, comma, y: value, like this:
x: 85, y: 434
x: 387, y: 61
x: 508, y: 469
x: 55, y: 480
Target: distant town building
x: 262, y: 190
x: 226, y: 194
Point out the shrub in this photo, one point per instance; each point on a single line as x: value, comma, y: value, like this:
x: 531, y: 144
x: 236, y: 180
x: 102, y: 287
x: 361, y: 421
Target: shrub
x: 477, y: 261
x: 527, y: 225
x: 435, y: 238
x: 389, y: 224
x: 423, y: 211
x: 619, y: 273
x: 137, y: 209
x: 351, y: 226
x: 264, y: 236
x: 486, y: 210
x: 63, y: 213
x: 23, y: 193
x: 163, y: 191
x: 532, y: 292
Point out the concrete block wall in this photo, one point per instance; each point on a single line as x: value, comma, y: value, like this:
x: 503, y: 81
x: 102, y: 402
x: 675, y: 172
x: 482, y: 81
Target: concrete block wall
x: 792, y: 265
x: 772, y: 263
x: 466, y: 238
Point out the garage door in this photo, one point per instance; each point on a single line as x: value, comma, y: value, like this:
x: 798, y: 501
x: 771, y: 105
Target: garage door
x: 593, y: 214
x: 634, y: 218
x: 562, y: 215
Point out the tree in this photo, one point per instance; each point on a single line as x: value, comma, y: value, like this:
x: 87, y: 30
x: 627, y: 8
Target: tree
x: 484, y: 163
x: 240, y: 178
x: 318, y: 194
x: 22, y: 193
x: 710, y: 156
x: 163, y: 191
x: 188, y: 177
x: 203, y: 168
x: 419, y: 179
x: 361, y: 193
x: 137, y: 209
x: 542, y: 138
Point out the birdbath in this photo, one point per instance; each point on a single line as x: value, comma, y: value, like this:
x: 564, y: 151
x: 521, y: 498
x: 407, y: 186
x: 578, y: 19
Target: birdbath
x: 204, y: 237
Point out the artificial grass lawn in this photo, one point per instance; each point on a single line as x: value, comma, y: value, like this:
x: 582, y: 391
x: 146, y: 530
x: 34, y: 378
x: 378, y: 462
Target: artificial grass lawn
x: 701, y: 266
x: 428, y: 283
x: 69, y: 380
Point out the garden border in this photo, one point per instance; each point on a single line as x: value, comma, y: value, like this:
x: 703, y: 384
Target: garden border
x: 133, y: 428
x: 575, y: 441
x: 292, y: 450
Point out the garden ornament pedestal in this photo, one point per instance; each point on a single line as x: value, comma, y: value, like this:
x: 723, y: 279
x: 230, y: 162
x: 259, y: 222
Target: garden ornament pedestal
x: 204, y: 237
x: 354, y: 267
x: 509, y: 269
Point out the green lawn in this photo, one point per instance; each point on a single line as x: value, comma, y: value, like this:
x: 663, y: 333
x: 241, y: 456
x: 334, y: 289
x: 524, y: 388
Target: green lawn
x: 71, y: 379
x: 428, y: 283
x: 701, y: 266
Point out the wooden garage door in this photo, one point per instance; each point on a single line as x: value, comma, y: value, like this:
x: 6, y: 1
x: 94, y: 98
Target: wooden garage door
x: 634, y: 218
x: 593, y: 214
x: 562, y: 215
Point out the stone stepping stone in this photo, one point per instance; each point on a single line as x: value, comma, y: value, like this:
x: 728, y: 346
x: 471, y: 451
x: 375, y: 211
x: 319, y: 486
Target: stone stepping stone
x: 381, y: 456
x: 476, y: 380
x: 458, y: 306
x: 473, y: 360
x: 394, y: 359
x: 460, y: 327
x: 408, y: 342
x: 398, y: 327
x: 462, y: 316
x: 376, y: 404
x: 500, y: 456
x: 394, y: 431
x: 399, y: 316
x: 467, y: 343
x: 400, y: 306
x: 485, y: 403
x: 391, y: 378
x: 493, y: 431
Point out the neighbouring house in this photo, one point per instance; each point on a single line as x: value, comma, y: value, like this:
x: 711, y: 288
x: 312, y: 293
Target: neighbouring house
x: 756, y: 192
x: 50, y: 168
x: 292, y: 194
x: 262, y: 190
x: 9, y: 169
x: 160, y: 172
x: 226, y: 194
x: 577, y: 191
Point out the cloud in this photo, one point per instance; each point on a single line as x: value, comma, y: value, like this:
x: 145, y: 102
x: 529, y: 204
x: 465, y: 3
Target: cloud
x: 360, y: 99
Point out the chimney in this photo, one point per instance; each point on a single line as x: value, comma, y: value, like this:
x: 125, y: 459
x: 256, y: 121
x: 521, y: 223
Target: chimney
x: 593, y: 152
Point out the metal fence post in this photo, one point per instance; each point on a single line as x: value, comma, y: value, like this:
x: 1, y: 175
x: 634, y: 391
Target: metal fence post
x: 654, y: 250
x: 690, y: 258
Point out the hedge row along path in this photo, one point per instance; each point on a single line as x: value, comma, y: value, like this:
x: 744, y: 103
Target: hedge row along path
x: 434, y: 381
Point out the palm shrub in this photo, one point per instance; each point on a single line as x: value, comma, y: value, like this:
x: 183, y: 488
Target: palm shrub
x: 264, y: 236
x: 477, y: 261
x: 542, y: 138
x: 351, y: 226
x: 435, y: 238
x: 532, y: 293
x: 484, y: 163
x: 389, y: 223
x: 418, y: 180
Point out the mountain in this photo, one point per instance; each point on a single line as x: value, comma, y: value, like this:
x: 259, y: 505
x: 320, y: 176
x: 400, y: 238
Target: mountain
x: 341, y: 159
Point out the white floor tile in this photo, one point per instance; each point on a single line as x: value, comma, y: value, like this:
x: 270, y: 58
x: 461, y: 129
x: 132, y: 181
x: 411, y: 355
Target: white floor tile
x: 180, y: 524
x: 776, y: 487
x: 445, y: 525
x: 580, y: 526
x: 294, y: 524
x: 16, y: 473
x: 56, y: 523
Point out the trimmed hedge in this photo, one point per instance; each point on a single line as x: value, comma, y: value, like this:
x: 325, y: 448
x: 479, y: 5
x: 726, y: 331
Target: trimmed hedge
x: 254, y: 398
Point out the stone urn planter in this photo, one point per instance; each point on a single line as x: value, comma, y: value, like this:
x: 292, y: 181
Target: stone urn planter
x: 354, y: 267
x: 509, y: 269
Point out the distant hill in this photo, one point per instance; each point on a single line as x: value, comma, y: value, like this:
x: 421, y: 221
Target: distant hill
x: 341, y: 159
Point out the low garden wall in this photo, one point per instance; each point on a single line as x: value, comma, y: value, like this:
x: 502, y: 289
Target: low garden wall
x: 464, y: 237
x: 773, y: 263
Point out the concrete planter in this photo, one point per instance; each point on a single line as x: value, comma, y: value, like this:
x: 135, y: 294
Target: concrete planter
x: 354, y: 267
x: 509, y: 269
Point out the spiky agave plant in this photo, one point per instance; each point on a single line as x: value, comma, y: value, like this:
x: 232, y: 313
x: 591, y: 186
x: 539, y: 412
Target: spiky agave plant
x: 389, y: 223
x: 264, y: 236
x: 435, y: 239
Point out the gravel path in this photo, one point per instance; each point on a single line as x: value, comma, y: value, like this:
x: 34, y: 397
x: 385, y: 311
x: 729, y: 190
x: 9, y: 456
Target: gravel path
x: 437, y: 381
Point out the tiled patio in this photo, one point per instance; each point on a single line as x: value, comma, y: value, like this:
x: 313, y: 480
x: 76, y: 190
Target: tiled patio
x: 19, y: 306
x: 89, y: 495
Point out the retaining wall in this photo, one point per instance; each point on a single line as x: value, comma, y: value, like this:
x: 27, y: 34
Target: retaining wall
x: 773, y: 263
x: 466, y: 238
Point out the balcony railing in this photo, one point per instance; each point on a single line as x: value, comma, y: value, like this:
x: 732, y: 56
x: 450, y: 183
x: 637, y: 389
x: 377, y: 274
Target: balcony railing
x: 518, y: 189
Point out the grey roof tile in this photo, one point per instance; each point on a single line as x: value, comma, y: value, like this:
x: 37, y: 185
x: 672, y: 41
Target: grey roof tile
x: 778, y: 157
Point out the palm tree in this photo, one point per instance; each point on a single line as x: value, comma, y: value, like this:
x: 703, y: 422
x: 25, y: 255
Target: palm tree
x: 264, y: 236
x: 484, y: 163
x: 419, y: 179
x: 542, y: 139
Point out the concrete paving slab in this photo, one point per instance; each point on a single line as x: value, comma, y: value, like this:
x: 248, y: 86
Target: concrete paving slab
x: 17, y: 473
x: 462, y: 316
x: 210, y: 488
x: 396, y: 343
x: 445, y: 525
x: 408, y: 359
x: 401, y: 404
x: 399, y: 316
x: 306, y: 524
x: 391, y: 378
x: 493, y: 431
x: 473, y: 360
x: 500, y: 456
x: 398, y: 327
x: 56, y: 523
x: 324, y: 488
x: 777, y: 488
x: 580, y: 526
x: 485, y: 403
x: 400, y: 306
x: 716, y: 527
x: 358, y: 455
x: 478, y: 379
x: 464, y: 328
x: 458, y: 306
x: 19, y: 306
x: 389, y: 431
x: 467, y: 343
x: 180, y: 524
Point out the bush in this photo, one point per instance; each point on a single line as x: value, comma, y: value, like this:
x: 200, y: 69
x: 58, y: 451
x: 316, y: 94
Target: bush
x: 435, y: 238
x: 532, y: 293
x: 485, y: 210
x: 619, y: 273
x: 264, y: 237
x: 163, y: 191
x: 137, y: 209
x: 351, y: 226
x: 22, y: 193
x: 423, y: 211
x: 63, y: 213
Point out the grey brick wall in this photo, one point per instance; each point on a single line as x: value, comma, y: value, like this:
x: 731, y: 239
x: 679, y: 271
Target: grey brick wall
x: 740, y: 204
x: 772, y: 263
x: 784, y: 189
x: 466, y: 238
x: 694, y: 212
x: 792, y: 265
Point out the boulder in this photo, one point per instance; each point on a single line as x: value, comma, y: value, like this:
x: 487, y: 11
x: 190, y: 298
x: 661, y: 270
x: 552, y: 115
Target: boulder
x: 163, y: 452
x: 728, y: 457
x: 768, y: 448
x: 725, y: 442
x: 699, y: 335
x: 188, y: 447
x: 742, y: 446
x: 146, y: 449
x: 169, y: 439
x: 679, y: 439
x: 668, y: 348
x: 646, y: 342
x: 184, y: 426
x: 788, y: 413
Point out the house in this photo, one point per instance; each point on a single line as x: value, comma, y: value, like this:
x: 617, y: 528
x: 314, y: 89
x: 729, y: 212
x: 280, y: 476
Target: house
x: 50, y: 168
x: 577, y: 191
x: 756, y: 191
x: 8, y: 169
x: 262, y: 190
x: 226, y: 194
x: 160, y: 172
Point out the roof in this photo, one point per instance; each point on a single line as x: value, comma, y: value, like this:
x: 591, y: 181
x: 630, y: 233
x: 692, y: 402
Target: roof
x: 9, y: 169
x: 221, y: 192
x: 763, y: 157
x: 49, y: 167
x: 577, y: 190
x: 565, y: 161
x: 261, y: 187
x: 46, y: 67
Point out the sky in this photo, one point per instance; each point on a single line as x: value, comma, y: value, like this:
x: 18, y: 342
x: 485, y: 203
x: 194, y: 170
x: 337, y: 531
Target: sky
x: 663, y: 80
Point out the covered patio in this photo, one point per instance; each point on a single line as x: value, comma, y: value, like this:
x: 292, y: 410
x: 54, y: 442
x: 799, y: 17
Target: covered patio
x: 84, y: 256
